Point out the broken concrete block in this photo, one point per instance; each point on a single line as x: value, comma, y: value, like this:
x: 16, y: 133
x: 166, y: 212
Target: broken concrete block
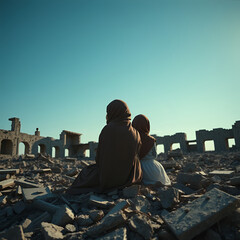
x: 3, y: 199
x: 235, y: 181
x: 45, y: 206
x: 6, y: 183
x: 197, y: 216
x: 10, y: 171
x: 183, y: 188
x: 118, y: 234
x: 45, y: 170
x: 84, y: 220
x: 26, y: 223
x: 36, y: 223
x: 195, y: 180
x: 63, y: 216
x: 190, y: 167
x: 29, y: 156
x: 96, y: 215
x: 15, y: 232
x: 19, y: 190
x: 26, y: 183
x: 106, y: 224
x: 70, y: 228
x: 142, y: 225
x: 131, y: 192
x: 4, y: 176
x: 36, y: 193
x: 51, y: 231
x: 19, y: 207
x: 170, y: 164
x: 118, y: 207
x: 222, y: 173
x: 168, y: 196
x: 140, y: 203
x: 100, y: 202
x: 72, y: 172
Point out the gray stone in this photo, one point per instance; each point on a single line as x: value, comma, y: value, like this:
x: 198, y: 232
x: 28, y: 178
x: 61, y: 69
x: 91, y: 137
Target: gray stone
x: 140, y: 203
x: 190, y: 167
x: 96, y: 215
x: 19, y: 207
x: 26, y: 223
x: 222, y: 173
x: 84, y: 220
x: 118, y: 234
x: 235, y: 181
x: 51, y: 231
x: 118, y: 207
x: 36, y: 222
x: 194, y: 179
x: 63, y: 216
x: 197, y: 216
x: 142, y: 225
x: 36, y: 193
x: 26, y: 183
x: 15, y: 232
x: 10, y: 171
x: 106, y: 224
x: 6, y: 183
x: 3, y: 199
x: 183, y: 188
x: 45, y: 206
x: 100, y: 202
x: 70, y: 228
x: 169, y: 196
x: 131, y: 192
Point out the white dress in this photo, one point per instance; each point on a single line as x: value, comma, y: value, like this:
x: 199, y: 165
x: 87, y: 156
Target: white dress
x: 153, y: 170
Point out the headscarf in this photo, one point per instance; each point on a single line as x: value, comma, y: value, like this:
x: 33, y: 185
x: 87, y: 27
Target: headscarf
x: 118, y: 149
x: 142, y: 124
x: 117, y: 110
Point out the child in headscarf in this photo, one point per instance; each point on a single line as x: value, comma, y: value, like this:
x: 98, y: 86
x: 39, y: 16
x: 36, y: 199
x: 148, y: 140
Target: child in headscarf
x: 153, y: 171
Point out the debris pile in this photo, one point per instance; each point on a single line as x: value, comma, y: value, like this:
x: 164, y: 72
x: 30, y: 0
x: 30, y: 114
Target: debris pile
x: 202, y: 203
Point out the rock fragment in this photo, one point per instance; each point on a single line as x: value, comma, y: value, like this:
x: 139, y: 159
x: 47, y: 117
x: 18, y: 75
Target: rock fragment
x: 51, y: 231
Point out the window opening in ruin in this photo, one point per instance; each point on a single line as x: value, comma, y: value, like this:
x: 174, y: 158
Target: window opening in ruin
x: 230, y: 142
x: 53, y: 152
x: 23, y: 148
x: 209, y: 145
x: 160, y: 148
x: 66, y: 152
x: 42, y: 149
x: 87, y: 153
x: 6, y: 147
x: 175, y: 146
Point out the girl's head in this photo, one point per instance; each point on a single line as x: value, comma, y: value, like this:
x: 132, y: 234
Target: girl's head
x: 141, y: 123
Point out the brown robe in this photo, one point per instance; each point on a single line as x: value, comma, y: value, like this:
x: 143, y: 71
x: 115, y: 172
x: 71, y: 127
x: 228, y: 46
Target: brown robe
x: 117, y: 161
x: 142, y: 124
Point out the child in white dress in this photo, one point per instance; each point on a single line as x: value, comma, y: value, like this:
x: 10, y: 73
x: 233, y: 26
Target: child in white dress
x: 153, y: 171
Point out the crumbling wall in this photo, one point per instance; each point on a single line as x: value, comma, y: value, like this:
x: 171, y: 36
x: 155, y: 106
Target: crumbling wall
x: 10, y: 140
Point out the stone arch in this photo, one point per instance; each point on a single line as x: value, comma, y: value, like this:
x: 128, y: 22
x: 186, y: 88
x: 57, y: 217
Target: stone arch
x: 55, y: 151
x: 26, y: 149
x: 42, y: 148
x: 6, y: 147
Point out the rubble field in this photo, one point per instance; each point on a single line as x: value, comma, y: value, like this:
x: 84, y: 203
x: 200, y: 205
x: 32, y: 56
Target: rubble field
x: 203, y: 201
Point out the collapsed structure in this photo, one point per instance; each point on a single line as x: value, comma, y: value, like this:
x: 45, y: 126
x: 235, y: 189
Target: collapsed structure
x: 70, y: 145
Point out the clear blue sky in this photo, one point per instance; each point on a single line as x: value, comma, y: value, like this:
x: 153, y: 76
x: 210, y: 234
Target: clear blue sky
x: 63, y: 61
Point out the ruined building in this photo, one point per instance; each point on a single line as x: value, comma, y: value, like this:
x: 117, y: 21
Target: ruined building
x: 219, y: 136
x: 70, y: 141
